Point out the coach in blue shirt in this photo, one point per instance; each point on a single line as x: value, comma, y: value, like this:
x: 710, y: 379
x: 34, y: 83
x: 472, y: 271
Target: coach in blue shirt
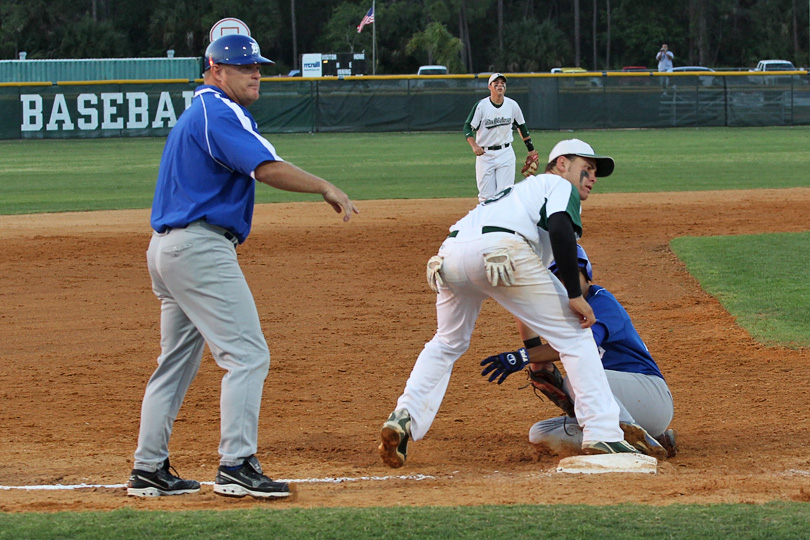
x: 203, y: 208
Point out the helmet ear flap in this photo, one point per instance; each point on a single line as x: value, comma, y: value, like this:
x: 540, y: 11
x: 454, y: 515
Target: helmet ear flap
x: 583, y: 261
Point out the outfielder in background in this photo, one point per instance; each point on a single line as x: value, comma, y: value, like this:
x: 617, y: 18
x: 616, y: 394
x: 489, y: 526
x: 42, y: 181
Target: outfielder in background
x: 203, y: 208
x: 644, y: 399
x: 488, y: 130
x: 501, y: 250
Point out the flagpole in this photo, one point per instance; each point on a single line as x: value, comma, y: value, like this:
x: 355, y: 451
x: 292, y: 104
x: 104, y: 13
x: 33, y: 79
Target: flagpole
x: 374, y: 39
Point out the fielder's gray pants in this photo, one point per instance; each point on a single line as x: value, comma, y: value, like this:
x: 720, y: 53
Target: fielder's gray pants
x: 204, y: 299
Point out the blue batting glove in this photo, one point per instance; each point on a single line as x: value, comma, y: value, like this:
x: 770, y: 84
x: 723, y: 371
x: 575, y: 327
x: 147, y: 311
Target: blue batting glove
x: 504, y: 364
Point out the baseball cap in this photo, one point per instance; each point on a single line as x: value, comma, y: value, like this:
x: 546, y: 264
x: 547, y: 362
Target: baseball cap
x: 604, y: 164
x: 495, y: 76
x: 582, y: 260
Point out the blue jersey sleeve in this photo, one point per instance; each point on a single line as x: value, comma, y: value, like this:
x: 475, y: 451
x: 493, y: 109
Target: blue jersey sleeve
x: 236, y: 143
x: 619, y: 343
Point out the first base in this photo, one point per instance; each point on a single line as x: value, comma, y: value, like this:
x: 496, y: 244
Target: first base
x: 609, y: 463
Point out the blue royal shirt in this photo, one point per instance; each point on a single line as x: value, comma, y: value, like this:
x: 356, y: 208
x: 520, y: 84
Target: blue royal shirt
x: 206, y: 171
x: 621, y: 347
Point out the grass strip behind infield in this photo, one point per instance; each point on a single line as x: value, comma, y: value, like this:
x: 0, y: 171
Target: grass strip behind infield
x: 107, y: 174
x: 741, y: 522
x: 759, y: 279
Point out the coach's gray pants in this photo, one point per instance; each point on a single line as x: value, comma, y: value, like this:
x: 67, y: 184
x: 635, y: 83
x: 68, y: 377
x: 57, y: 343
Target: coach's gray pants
x: 204, y: 299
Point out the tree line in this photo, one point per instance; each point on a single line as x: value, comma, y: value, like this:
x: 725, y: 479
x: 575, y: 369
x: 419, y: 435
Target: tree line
x: 468, y: 36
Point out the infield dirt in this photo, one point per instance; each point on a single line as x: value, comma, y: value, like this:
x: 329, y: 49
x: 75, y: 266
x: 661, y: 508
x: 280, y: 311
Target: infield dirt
x: 346, y: 310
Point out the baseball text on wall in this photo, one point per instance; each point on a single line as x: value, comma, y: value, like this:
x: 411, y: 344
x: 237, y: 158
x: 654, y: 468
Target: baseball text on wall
x: 99, y: 110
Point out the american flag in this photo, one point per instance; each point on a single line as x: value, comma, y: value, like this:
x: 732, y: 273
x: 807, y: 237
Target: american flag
x: 368, y: 19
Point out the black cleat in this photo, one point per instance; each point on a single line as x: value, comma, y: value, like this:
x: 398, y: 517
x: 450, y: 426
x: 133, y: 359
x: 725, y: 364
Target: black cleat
x: 248, y: 480
x: 161, y: 482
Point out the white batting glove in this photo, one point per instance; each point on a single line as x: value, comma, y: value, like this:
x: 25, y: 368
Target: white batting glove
x: 434, y: 278
x: 500, y: 267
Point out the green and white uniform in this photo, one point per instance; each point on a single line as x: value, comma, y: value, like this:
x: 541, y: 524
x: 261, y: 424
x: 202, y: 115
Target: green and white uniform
x: 492, y: 126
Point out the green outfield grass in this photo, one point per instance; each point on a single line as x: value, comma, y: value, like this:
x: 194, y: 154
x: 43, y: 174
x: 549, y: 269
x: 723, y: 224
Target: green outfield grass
x: 624, y: 522
x: 76, y: 175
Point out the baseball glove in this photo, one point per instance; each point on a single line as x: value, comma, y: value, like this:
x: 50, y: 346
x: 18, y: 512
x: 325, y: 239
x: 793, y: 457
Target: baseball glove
x: 434, y: 278
x: 531, y: 165
x: 550, y: 384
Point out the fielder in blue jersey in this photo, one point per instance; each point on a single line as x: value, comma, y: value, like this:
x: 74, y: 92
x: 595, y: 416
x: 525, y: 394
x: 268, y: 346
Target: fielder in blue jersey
x: 203, y: 209
x: 645, y: 402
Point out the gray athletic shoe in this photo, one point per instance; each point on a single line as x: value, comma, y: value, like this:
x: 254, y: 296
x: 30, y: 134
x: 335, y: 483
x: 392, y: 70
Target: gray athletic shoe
x: 642, y: 441
x: 669, y: 442
x: 248, y: 479
x: 395, y: 434
x: 619, y: 447
x: 161, y: 482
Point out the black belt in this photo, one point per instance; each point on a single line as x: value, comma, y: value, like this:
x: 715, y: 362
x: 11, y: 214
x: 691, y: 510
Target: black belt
x: 232, y: 237
x: 214, y: 228
x: 485, y: 230
x: 497, y: 147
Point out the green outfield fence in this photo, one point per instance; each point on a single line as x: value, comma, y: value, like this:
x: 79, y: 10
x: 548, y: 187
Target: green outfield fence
x: 125, y: 108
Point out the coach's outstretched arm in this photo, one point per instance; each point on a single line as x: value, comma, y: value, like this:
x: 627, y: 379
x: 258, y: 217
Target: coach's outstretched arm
x: 288, y: 177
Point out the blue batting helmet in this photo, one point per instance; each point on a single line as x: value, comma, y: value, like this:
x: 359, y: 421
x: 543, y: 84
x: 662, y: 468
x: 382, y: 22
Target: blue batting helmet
x: 582, y: 259
x: 235, y: 50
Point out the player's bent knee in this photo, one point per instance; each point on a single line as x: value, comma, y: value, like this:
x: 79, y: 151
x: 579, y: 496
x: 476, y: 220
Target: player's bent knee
x: 540, y: 431
x: 456, y: 348
x: 257, y: 363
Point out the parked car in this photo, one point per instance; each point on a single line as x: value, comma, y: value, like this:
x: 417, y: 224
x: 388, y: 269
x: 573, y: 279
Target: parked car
x: 635, y: 68
x: 578, y: 82
x: 705, y: 80
x: 692, y: 68
x: 774, y: 65
x: 432, y: 70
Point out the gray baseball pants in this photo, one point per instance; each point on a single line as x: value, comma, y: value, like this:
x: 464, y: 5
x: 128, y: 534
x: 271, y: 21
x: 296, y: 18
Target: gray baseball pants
x: 204, y: 299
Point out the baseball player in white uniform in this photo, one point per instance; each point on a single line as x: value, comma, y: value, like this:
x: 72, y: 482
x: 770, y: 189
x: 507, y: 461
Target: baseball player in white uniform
x: 488, y: 130
x: 501, y: 250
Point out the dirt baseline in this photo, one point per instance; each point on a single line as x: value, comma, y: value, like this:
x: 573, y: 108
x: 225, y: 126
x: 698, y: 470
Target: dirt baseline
x: 346, y: 310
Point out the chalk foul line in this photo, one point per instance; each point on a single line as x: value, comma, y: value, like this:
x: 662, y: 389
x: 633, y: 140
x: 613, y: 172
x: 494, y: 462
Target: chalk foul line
x: 327, y: 480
